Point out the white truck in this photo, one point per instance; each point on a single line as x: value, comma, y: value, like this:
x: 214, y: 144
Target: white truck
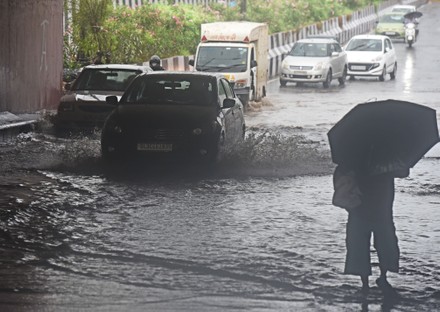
x: 240, y: 51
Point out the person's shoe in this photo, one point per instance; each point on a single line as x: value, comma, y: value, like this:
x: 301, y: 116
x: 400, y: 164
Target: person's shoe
x: 385, y: 287
x: 365, y: 289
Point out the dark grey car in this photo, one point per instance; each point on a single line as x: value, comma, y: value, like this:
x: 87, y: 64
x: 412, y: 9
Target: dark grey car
x: 175, y: 116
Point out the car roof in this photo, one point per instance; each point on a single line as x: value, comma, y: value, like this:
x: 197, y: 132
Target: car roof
x: 394, y: 13
x: 369, y: 37
x: 323, y: 37
x: 185, y: 74
x: 404, y: 6
x: 317, y: 40
x: 119, y: 66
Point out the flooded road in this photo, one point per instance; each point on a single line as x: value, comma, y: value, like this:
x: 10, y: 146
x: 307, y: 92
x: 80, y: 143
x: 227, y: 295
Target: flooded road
x: 259, y: 233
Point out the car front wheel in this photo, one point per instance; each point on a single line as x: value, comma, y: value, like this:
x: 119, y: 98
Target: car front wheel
x: 343, y: 78
x: 393, y: 74
x: 384, y: 73
x: 328, y: 79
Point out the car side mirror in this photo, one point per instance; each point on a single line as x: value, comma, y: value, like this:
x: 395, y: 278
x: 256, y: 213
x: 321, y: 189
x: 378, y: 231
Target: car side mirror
x: 112, y: 100
x: 335, y: 54
x: 191, y: 62
x: 228, y: 103
x: 387, y: 49
x: 253, y: 63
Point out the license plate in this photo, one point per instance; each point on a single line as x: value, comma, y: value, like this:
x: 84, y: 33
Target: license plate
x: 155, y: 147
x: 299, y: 72
x: 354, y: 67
x: 390, y: 33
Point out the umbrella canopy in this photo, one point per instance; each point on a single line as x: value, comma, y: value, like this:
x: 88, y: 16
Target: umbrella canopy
x: 413, y: 15
x: 383, y: 132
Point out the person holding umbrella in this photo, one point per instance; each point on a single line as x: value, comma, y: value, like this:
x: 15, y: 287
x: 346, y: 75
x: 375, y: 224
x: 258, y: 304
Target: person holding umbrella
x: 373, y: 144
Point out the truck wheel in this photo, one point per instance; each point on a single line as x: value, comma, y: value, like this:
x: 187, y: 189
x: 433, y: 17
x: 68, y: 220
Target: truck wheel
x: 244, y: 98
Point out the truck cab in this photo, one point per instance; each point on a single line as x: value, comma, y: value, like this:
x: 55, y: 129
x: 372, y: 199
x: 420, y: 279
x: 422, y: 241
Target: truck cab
x: 239, y: 50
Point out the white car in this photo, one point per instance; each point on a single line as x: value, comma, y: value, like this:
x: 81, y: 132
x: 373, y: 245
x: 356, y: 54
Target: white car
x: 371, y: 55
x: 314, y: 60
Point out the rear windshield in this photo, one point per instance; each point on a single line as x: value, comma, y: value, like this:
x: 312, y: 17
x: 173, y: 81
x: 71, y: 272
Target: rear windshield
x: 170, y: 90
x: 105, y: 79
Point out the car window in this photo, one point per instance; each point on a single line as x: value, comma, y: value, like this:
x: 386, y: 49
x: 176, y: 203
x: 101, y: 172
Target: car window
x: 366, y: 44
x: 105, y: 79
x: 185, y: 90
x: 337, y: 47
x: 221, y: 91
x: 388, y: 44
x: 228, y: 90
x: 309, y: 49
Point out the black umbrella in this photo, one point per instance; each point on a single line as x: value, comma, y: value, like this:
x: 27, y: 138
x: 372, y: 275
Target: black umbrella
x: 413, y: 15
x: 383, y: 133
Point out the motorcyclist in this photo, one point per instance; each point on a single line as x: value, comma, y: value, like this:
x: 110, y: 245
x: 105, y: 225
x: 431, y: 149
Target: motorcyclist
x: 155, y: 63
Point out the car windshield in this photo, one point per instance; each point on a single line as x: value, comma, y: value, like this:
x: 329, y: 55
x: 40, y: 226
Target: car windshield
x: 309, y: 49
x: 364, y: 45
x: 170, y: 90
x: 403, y: 10
x: 391, y: 18
x: 222, y: 59
x: 105, y: 79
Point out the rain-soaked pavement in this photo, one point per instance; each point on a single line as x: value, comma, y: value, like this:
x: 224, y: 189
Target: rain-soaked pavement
x: 257, y: 234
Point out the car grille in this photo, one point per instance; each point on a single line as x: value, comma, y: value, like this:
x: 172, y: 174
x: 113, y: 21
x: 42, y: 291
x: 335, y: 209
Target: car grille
x: 294, y: 67
x: 164, y: 134
x: 300, y: 76
x: 356, y: 66
x: 95, y: 108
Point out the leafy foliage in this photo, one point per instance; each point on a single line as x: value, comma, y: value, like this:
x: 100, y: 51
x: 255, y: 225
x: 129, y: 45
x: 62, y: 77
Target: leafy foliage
x: 133, y: 35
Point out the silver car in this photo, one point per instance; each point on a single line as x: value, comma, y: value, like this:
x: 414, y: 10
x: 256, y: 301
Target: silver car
x: 314, y: 60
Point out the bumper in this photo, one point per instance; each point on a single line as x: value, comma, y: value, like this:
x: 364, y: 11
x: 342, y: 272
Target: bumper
x: 365, y: 69
x: 303, y: 76
x: 185, y: 149
x: 392, y: 34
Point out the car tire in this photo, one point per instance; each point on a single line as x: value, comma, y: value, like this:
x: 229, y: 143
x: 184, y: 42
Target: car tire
x: 343, y: 78
x: 328, y: 79
x: 384, y: 74
x: 394, y: 72
x: 283, y: 83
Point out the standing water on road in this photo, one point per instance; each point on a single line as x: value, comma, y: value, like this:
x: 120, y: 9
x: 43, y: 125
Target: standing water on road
x: 256, y: 235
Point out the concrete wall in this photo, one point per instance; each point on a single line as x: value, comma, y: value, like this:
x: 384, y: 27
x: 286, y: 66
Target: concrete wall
x: 31, y: 54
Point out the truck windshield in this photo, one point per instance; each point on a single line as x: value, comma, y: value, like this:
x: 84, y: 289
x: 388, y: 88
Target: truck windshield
x: 222, y: 59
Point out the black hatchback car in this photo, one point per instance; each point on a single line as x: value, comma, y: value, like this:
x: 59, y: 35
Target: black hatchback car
x: 174, y: 116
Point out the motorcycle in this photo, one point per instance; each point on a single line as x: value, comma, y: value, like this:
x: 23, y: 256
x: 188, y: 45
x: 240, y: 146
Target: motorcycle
x: 410, y: 34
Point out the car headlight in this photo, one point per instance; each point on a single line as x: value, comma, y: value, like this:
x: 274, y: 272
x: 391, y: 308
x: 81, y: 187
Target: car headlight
x: 197, y: 131
x: 319, y: 66
x: 285, y: 65
x: 66, y: 107
x: 240, y: 84
x: 377, y: 58
x: 117, y: 129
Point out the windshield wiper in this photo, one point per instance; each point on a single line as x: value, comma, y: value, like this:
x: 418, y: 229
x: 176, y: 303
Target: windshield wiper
x: 358, y: 47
